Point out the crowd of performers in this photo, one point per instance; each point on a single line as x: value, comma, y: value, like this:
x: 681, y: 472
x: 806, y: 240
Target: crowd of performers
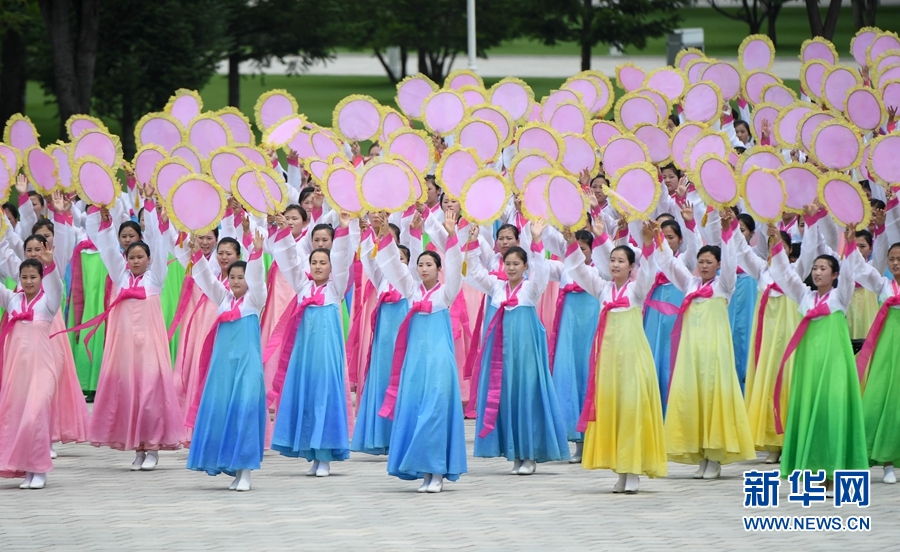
x: 698, y: 336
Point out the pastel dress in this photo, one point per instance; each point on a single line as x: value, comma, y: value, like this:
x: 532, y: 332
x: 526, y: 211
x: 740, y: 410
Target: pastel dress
x: 229, y: 413
x: 88, y: 299
x: 865, y: 303
x: 372, y: 433
x: 29, y: 378
x: 517, y: 415
x: 825, y: 428
x: 622, y: 414
x: 423, y: 398
x: 136, y: 407
x: 706, y: 417
x: 310, y: 383
x: 740, y: 315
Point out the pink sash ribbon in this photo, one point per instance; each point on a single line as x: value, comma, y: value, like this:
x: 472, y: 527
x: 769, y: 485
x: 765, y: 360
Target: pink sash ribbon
x: 390, y: 395
x: 819, y: 310
x: 389, y: 296
x: 662, y: 307
x: 761, y: 316
x: 8, y: 320
x: 76, y: 298
x: 868, y: 348
x: 560, y: 302
x: 705, y: 292
x: 471, y: 368
x: 361, y: 296
x: 289, y: 335
x: 187, y: 289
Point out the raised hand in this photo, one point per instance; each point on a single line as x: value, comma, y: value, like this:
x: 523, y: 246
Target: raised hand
x: 104, y: 214
x: 766, y: 131
x: 355, y: 150
x: 850, y: 232
x: 245, y: 222
x: 450, y: 219
x: 599, y: 226
x: 193, y: 245
x: 687, y: 212
x: 46, y: 256
x: 537, y: 229
x: 812, y: 209
x: 569, y: 236
x: 584, y: 178
x: 292, y: 156
x: 878, y: 217
x: 280, y: 221
x: 682, y: 188
x: 345, y: 219
x: 57, y: 202
x: 649, y: 230
x: 892, y: 115
x: 22, y: 184
x: 416, y: 222
x: 258, y: 240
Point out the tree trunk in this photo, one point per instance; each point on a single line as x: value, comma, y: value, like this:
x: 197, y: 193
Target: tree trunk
x: 831, y: 18
x: 815, y: 19
x: 12, y: 75
x: 403, y: 55
x: 423, y: 64
x: 127, y: 122
x: 858, y: 9
x: 774, y: 10
x: 587, y: 20
x: 871, y: 7
x: 234, y: 80
x: 387, y: 67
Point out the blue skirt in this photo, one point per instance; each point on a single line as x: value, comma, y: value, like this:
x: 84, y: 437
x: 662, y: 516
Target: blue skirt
x: 577, y: 326
x: 230, y: 430
x: 372, y: 433
x: 312, y: 414
x: 741, y: 309
x: 428, y: 435
x: 529, y: 424
x: 658, y: 327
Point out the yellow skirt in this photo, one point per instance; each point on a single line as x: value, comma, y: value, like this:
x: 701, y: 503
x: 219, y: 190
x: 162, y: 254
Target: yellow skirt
x: 862, y: 311
x: 628, y: 435
x: 706, y: 417
x: 781, y: 320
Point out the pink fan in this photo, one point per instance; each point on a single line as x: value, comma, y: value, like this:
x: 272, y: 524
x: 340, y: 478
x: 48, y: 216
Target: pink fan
x: 241, y: 133
x: 657, y: 141
x: 726, y: 77
x: 10, y: 156
x: 636, y: 191
x: 391, y: 122
x: 812, y: 77
x: 603, y: 131
x: 765, y: 112
x: 357, y: 118
x: 864, y: 109
x: 40, y: 167
x: 808, y: 124
x: 662, y: 104
x: 607, y: 94
x: 282, y: 131
x: 499, y: 117
x: 884, y: 163
x: 323, y: 144
x: 763, y: 193
x: 413, y: 146
x: 670, y: 82
x: 680, y: 140
x: 685, y: 57
x: 554, y: 99
x: 586, y: 88
x: 534, y: 113
x: 444, y: 111
x: 411, y: 94
x: 76, y: 124
x: 6, y: 180
x: 99, y: 144
x: 272, y: 107
x: 864, y: 163
x: 890, y: 94
x: 888, y: 59
x: 185, y: 106
x: 95, y: 182
x: 754, y: 83
x: 223, y: 164
x: 317, y: 168
x: 484, y: 197
x: 145, y: 161
x: 190, y: 155
x: 565, y: 200
x: 541, y: 139
x: 733, y: 158
x: 630, y: 77
x: 787, y: 122
x: 260, y: 190
x: 457, y: 166
x: 801, y: 185
x: 715, y: 180
x: 473, y: 96
x: 60, y: 155
x: 253, y: 155
x: 882, y: 43
x: 579, y: 154
x: 837, y: 84
x: 778, y: 94
x: 514, y: 96
x: 196, y: 204
x: 844, y: 199
x: 695, y: 70
x: 534, y: 192
x: 818, y: 49
x: 632, y: 110
x: 569, y: 117
x: 763, y: 157
x: 168, y: 172
x: 622, y: 151
x: 711, y: 142
x: 525, y: 163
x: 207, y: 133
x: 756, y: 52
x: 339, y: 187
x: 159, y: 129
x: 482, y: 137
x: 462, y: 77
x: 860, y: 44
x: 888, y: 74
x: 20, y: 133
x: 378, y: 186
x: 301, y: 144
x: 702, y: 102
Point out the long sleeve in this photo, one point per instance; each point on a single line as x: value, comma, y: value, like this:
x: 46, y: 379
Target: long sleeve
x: 6, y: 298
x: 589, y: 280
x: 728, y: 267
x: 646, y: 275
x: 601, y: 249
x: 786, y: 278
x: 27, y: 217
x: 880, y: 249
x: 153, y: 237
x: 52, y: 285
x: 63, y: 241
x: 9, y: 261
x: 436, y: 232
x: 388, y: 259
x: 104, y: 238
x: 673, y: 267
x: 255, y: 274
x: 370, y: 266
x: 209, y: 284
x: 691, y: 248
x: 539, y: 272
x: 453, y: 278
x: 849, y: 270
x: 868, y: 277
x: 748, y: 259
x: 341, y: 259
x: 284, y: 250
x: 477, y: 275
x: 761, y: 248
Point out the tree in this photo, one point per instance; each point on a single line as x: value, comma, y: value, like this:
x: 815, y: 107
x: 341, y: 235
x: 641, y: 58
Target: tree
x: 864, y: 13
x: 619, y: 23
x: 816, y: 25
x: 16, y: 16
x: 754, y: 13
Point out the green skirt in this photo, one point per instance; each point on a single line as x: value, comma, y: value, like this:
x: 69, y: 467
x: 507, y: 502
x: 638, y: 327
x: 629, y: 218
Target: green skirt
x: 93, y: 276
x: 881, y: 397
x: 824, y: 428
x: 171, y: 292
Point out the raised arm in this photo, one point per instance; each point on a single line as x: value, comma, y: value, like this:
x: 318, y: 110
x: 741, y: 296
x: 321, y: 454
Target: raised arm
x: 672, y: 267
x: 203, y: 276
x: 539, y: 271
x: 747, y: 257
x: 255, y: 274
x: 727, y: 280
x: 453, y: 277
x: 587, y: 278
x: 342, y: 255
x: 284, y: 250
x: 51, y: 283
x: 388, y: 260
x: 103, y: 235
x: 850, y: 268
x: 786, y: 278
x: 153, y: 236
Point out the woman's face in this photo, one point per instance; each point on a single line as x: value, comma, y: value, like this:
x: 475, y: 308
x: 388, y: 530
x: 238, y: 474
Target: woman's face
x: 48, y: 235
x: 320, y: 267
x: 670, y: 179
x: 707, y: 266
x: 450, y: 204
x: 127, y: 237
x: 515, y: 267
x: 30, y: 280
x: 225, y: 255
x: 822, y: 275
x: 294, y: 221
x: 506, y: 239
x: 671, y: 238
x: 206, y: 242
x: 864, y: 248
x: 586, y: 249
x: 742, y: 133
x: 748, y: 235
x: 619, y: 265
x: 428, y: 270
x: 236, y: 282
x: 138, y: 260
x: 322, y: 240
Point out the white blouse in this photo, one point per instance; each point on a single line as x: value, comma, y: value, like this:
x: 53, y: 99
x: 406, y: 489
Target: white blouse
x: 255, y: 298
x: 441, y: 296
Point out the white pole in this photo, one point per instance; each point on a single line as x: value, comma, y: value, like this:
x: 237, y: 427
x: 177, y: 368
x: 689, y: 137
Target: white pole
x: 470, y: 17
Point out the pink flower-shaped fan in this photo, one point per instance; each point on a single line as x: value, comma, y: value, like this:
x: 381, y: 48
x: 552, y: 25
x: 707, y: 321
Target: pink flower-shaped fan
x: 190, y: 155
x: 702, y: 102
x: 6, y: 179
x: 884, y: 163
x: 411, y: 94
x: 756, y: 52
x: 317, y: 168
x: 168, y: 172
x: 786, y: 124
x: 273, y: 106
x: 685, y: 57
x: 196, y: 204
x: 883, y: 42
x: 662, y: 104
x: 668, y: 81
x: 844, y: 199
x: 418, y: 193
x: 339, y: 187
x: 818, y: 49
x: 891, y: 72
x: 281, y: 132
x: 237, y: 123
x: 607, y: 94
x: 20, y: 133
x: 260, y: 190
x: 695, y: 70
x: 456, y: 167
x: 579, y: 154
x: 890, y: 94
x: 96, y: 183
x: 622, y: 151
x: 764, y: 157
x: 514, y: 96
x: 11, y: 156
x: 726, y: 76
x: 860, y: 43
x: 837, y: 84
x: 586, y: 88
x: 473, y: 96
x: 76, y: 124
x: 145, y: 161
x: 635, y: 191
x: 765, y: 112
x: 301, y: 144
x: 443, y: 111
x: 603, y: 131
x: 482, y: 137
x: 554, y: 99
x: 160, y: 129
x: 566, y: 202
x: 812, y: 77
x: 864, y: 109
x: 801, y: 185
x: 357, y: 118
x: 524, y: 164
x: 569, y: 117
x: 99, y: 144
x: 40, y: 167
x: 391, y: 121
x: 633, y: 109
x: 657, y: 141
x: 60, y: 154
x: 534, y: 113
x: 680, y: 140
x: 208, y: 133
x: 223, y: 164
x: 462, y: 77
x: 630, y: 77
x: 484, y: 197
x: 534, y: 202
x: 778, y: 94
x: 323, y: 144
x: 808, y: 124
x: 885, y: 60
x: 379, y: 186
x: 763, y: 193
x: 185, y: 106
x: 414, y: 146
x: 707, y: 143
x: 715, y: 181
x: 253, y: 155
x: 754, y: 81
x: 499, y: 117
x: 541, y: 139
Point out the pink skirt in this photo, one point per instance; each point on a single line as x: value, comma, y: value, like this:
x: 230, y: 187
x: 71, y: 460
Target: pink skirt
x: 198, y: 320
x: 69, y: 413
x: 280, y: 296
x: 547, y: 306
x: 26, y: 398
x: 360, y: 335
x: 136, y: 406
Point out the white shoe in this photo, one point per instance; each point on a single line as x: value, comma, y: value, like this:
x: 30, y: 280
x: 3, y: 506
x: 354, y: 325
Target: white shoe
x: 244, y: 483
x: 324, y: 469
x: 829, y: 493
x: 27, y: 483
x: 516, y: 465
x: 425, y: 481
x: 619, y: 487
x: 150, y: 461
x: 53, y: 454
x: 38, y: 481
x: 632, y: 481
x: 237, y: 477
x: 314, y: 468
x: 576, y: 458
x: 889, y: 476
x: 713, y: 470
x: 528, y: 467
x: 436, y: 485
x: 773, y: 458
x: 139, y: 458
x: 701, y: 469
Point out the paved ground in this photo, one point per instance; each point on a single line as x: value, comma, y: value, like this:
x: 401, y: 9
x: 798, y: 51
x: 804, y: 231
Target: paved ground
x: 93, y: 502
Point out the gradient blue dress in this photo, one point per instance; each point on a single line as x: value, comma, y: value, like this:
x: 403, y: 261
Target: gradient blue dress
x: 741, y: 309
x: 658, y: 327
